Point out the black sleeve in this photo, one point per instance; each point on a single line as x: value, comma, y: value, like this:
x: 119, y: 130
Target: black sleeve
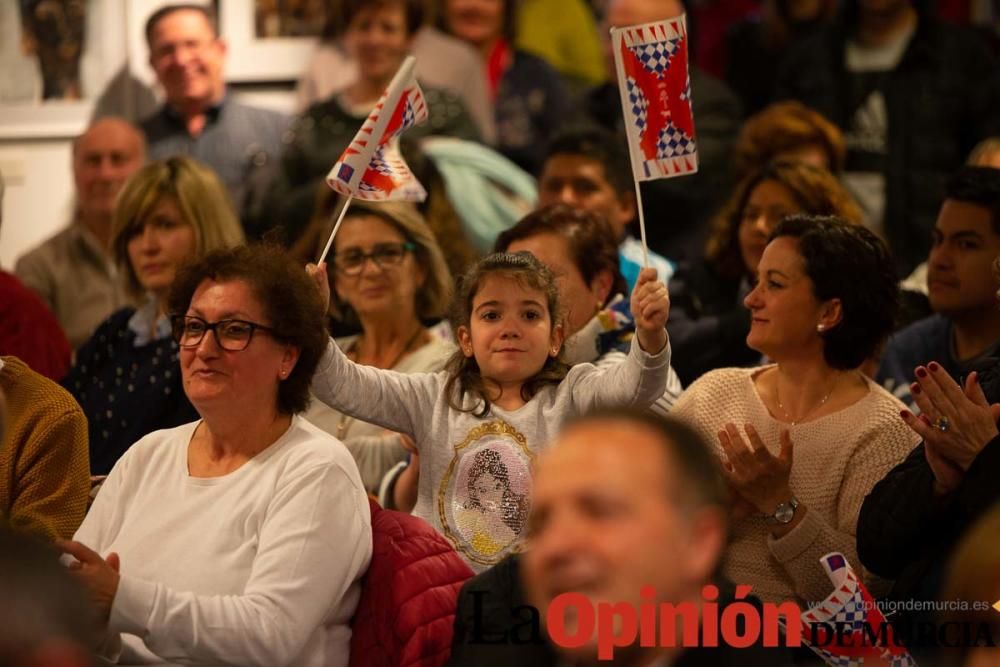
x: 898, y: 515
x: 979, y: 490
x: 702, y: 342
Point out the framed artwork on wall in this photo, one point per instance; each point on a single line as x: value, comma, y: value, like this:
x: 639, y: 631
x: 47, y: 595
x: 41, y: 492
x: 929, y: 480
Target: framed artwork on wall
x: 60, y: 60
x: 270, y: 40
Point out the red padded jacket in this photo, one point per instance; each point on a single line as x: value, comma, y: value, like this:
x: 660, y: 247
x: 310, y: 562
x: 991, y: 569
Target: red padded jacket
x: 406, y: 614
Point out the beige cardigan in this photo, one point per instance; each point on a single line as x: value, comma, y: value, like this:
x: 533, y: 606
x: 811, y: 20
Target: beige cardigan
x: 837, y: 459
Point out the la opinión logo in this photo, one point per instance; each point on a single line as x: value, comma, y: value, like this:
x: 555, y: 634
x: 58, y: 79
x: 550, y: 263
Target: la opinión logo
x: 574, y: 621
x: 655, y: 624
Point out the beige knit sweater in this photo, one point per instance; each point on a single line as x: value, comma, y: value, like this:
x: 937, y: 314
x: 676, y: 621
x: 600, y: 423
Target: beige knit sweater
x: 837, y: 459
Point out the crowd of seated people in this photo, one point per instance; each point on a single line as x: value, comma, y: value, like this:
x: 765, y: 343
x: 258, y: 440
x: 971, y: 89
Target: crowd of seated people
x: 216, y: 451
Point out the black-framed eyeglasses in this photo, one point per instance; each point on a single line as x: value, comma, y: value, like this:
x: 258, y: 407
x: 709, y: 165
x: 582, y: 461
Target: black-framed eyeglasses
x: 350, y: 262
x: 231, y: 335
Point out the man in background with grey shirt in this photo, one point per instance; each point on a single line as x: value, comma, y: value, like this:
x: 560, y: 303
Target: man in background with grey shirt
x: 73, y: 271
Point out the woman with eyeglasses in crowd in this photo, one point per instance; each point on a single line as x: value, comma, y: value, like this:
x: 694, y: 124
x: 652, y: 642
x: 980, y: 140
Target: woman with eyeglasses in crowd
x: 126, y: 377
x: 239, y: 538
x: 388, y: 276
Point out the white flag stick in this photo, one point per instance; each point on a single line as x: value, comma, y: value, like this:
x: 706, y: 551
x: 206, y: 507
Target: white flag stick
x: 336, y: 226
x: 642, y: 222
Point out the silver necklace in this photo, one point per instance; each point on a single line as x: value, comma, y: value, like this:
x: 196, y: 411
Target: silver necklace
x: 788, y: 416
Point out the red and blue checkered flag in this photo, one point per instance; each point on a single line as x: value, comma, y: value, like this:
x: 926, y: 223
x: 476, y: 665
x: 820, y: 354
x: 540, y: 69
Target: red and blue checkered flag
x: 371, y: 167
x: 652, y: 64
x: 847, y: 629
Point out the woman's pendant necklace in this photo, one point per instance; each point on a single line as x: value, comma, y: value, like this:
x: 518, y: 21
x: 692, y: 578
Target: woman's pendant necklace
x: 788, y: 416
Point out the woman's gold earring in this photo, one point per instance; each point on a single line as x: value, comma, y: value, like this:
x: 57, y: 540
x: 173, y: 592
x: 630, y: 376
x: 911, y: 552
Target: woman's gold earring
x: 821, y: 328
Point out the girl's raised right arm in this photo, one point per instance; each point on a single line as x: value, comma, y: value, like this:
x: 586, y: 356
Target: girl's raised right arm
x: 393, y: 400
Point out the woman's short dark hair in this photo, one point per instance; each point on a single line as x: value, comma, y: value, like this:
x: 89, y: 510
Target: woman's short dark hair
x: 592, y: 241
x: 850, y: 263
x: 338, y: 20
x: 291, y: 303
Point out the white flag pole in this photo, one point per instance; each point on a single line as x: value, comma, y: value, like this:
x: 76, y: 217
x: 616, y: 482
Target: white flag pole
x: 616, y: 42
x: 336, y: 226
x: 642, y: 221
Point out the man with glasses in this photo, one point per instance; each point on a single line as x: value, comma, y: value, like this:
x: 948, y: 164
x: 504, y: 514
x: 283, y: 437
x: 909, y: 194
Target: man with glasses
x: 241, y: 143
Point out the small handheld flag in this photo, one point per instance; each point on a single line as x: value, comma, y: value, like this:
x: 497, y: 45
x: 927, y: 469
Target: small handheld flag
x: 371, y: 167
x: 652, y: 62
x: 652, y: 65
x: 858, y: 632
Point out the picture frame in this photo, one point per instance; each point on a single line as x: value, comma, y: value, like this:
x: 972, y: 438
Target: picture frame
x: 256, y: 60
x: 24, y: 113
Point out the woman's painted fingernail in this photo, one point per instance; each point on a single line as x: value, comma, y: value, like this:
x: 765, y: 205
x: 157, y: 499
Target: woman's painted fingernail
x: 934, y: 367
x: 921, y: 372
x: 914, y: 388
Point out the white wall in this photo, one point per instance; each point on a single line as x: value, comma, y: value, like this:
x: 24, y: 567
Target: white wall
x: 38, y: 200
x: 38, y: 195
x: 36, y: 166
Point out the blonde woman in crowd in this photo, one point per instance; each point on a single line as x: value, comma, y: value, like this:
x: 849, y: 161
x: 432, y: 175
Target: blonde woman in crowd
x: 389, y: 278
x: 126, y: 377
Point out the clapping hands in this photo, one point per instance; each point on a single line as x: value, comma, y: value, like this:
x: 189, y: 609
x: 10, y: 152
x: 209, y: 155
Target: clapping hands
x: 955, y: 423
x: 758, y: 479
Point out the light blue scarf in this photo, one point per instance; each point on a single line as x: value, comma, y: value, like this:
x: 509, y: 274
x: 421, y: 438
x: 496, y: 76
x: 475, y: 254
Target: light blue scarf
x: 489, y: 192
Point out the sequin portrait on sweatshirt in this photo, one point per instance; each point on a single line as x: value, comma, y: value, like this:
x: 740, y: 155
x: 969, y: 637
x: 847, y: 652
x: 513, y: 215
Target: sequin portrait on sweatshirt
x: 485, y: 495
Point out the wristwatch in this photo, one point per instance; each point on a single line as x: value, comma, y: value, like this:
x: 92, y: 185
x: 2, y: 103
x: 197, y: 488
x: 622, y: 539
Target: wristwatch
x: 783, y: 514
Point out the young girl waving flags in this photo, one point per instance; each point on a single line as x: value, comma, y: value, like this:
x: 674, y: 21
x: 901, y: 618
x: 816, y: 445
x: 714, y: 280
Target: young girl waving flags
x: 478, y: 424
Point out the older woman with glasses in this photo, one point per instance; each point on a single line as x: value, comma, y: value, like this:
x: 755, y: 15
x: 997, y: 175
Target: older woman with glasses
x: 239, y: 538
x: 389, y: 277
